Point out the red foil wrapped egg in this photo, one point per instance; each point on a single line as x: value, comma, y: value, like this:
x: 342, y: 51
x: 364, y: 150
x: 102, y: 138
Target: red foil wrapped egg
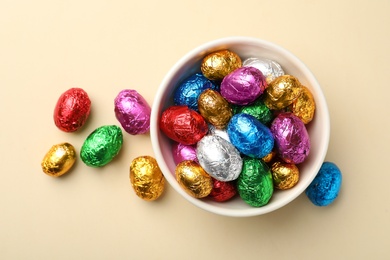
x: 222, y: 191
x: 72, y: 110
x: 183, y: 125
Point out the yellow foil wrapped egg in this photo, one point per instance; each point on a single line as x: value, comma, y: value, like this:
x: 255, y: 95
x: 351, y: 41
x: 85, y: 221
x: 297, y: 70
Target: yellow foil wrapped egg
x: 282, y: 91
x: 146, y: 178
x: 214, y: 108
x: 304, y: 106
x: 193, y: 179
x: 284, y: 175
x: 216, y: 65
x: 59, y: 159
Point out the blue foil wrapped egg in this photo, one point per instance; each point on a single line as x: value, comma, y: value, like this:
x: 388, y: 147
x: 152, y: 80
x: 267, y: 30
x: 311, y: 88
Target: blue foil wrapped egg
x: 219, y: 158
x: 325, y: 187
x: 188, y: 91
x: 250, y: 136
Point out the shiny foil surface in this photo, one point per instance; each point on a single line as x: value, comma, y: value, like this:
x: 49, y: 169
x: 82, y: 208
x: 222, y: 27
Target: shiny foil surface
x: 255, y: 185
x: 292, y: 140
x: 223, y: 191
x: 132, y: 111
x: 269, y: 157
x: 243, y: 86
x: 218, y: 132
x: 182, y: 152
x: 146, y: 178
x: 188, y: 91
x: 259, y: 110
x: 72, y: 110
x: 193, y: 179
x: 59, y: 159
x: 183, y: 125
x: 219, y: 158
x: 325, y: 187
x: 214, y: 108
x: 249, y: 136
x: 304, y: 106
x: 282, y: 91
x: 270, y: 69
x: 101, y: 146
x: 285, y: 175
x: 216, y: 65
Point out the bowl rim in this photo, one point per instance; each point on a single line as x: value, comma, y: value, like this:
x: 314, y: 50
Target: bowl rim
x: 228, y: 41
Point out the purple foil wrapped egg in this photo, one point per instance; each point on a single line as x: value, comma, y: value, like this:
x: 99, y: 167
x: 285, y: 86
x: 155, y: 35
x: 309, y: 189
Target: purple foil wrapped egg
x: 132, y: 112
x: 243, y: 86
x: 292, y: 140
x: 182, y: 152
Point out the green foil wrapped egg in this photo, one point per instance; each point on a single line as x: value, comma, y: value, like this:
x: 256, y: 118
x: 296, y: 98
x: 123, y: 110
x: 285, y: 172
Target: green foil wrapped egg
x: 101, y: 146
x: 259, y: 110
x: 255, y: 185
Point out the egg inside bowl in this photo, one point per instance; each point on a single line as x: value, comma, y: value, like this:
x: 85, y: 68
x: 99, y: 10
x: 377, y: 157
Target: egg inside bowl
x: 245, y: 47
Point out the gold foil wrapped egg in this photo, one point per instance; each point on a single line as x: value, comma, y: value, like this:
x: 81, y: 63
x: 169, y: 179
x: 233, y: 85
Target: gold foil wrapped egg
x: 193, y: 179
x: 304, y: 106
x: 146, y: 178
x: 269, y: 157
x: 214, y: 108
x: 284, y: 175
x: 216, y: 65
x: 59, y: 159
x: 282, y: 91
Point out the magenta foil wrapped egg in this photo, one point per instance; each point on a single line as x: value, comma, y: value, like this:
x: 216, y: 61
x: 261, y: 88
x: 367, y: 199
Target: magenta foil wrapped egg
x: 182, y: 152
x: 292, y: 140
x: 243, y: 86
x: 132, y: 112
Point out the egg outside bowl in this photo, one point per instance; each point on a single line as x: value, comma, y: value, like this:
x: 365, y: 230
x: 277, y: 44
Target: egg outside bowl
x: 245, y: 47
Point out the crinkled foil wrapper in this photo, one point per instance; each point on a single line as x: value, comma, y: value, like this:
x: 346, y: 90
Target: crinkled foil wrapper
x: 223, y: 191
x: 282, y: 91
x: 214, y: 108
x: 101, y: 146
x: 270, y: 69
x: 193, y: 179
x: 304, y: 106
x: 132, y: 111
x: 216, y: 65
x: 182, y: 152
x: 285, y: 175
x: 219, y: 158
x: 146, y: 178
x: 59, y: 159
x: 255, y: 185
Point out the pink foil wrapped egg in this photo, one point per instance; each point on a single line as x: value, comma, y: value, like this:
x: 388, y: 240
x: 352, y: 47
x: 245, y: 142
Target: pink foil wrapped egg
x: 292, y: 140
x: 182, y: 152
x: 132, y: 112
x: 243, y: 86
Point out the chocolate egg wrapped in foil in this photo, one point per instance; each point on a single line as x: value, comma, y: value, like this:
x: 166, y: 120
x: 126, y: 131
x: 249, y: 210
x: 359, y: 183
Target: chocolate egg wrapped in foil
x: 325, y: 187
x: 282, y: 91
x: 304, y: 106
x: 219, y: 158
x: 218, y: 64
x: 182, y: 152
x: 243, y: 86
x: 269, y: 157
x: 188, y: 91
x: 214, y: 108
x: 59, y: 159
x: 292, y: 141
x: 259, y: 110
x: 270, y: 69
x: 193, y: 179
x: 285, y: 175
x: 72, y: 110
x: 146, y: 178
x: 250, y: 136
x: 183, y: 125
x: 223, y: 191
x: 218, y: 132
x: 254, y: 185
x: 101, y: 146
x: 132, y: 112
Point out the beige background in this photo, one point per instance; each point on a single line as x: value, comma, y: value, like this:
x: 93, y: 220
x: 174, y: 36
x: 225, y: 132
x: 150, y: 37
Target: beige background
x: 47, y: 47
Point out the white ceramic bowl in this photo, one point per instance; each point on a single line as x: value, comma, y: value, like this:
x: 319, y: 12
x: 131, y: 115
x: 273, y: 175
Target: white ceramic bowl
x: 245, y: 47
